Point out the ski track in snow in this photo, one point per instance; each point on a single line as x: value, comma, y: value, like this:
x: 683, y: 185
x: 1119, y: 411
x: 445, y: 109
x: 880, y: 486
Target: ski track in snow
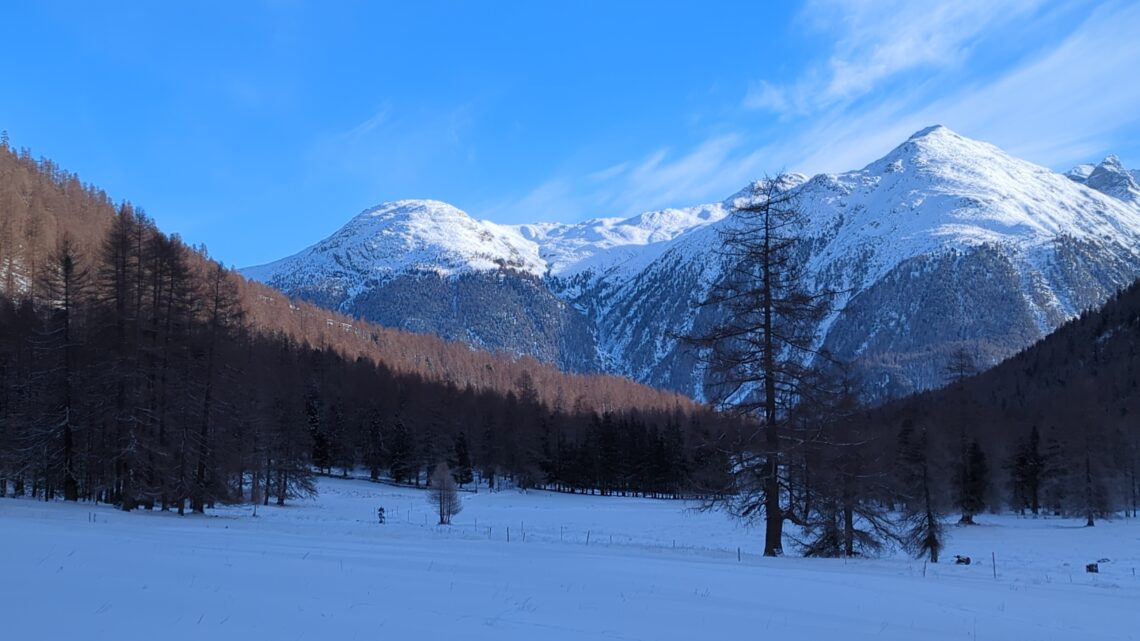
x: 325, y: 569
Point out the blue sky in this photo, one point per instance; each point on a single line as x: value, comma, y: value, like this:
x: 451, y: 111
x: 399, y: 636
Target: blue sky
x: 259, y: 128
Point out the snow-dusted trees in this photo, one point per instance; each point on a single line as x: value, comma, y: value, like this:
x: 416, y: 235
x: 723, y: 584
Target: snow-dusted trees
x: 759, y: 353
x: 444, y: 494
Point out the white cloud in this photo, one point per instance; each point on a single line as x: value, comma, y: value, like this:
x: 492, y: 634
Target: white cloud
x: 878, y: 40
x: 709, y: 172
x: 609, y: 172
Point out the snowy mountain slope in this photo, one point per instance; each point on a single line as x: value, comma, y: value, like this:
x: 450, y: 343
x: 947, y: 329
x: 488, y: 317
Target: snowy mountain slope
x: 426, y: 266
x: 399, y: 237
x: 944, y: 242
x: 602, y: 244
x: 1109, y: 177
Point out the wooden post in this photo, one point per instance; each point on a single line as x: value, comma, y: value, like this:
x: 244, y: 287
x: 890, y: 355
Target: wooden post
x: 993, y: 558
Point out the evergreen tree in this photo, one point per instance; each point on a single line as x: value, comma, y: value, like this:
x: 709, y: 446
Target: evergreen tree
x: 1026, y: 471
x: 401, y: 456
x: 974, y: 482
x: 922, y: 525
x: 461, y: 461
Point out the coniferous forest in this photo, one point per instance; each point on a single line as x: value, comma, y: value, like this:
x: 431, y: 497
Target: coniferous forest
x: 132, y: 373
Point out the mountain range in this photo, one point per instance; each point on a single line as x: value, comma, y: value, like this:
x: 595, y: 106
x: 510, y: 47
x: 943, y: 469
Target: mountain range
x: 944, y: 243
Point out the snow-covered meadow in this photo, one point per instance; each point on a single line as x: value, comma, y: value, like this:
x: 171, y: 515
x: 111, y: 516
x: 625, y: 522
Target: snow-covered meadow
x: 325, y: 569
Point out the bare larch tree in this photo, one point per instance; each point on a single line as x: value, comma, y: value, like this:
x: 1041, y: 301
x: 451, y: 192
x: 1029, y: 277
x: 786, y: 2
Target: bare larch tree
x: 759, y: 353
x: 444, y: 494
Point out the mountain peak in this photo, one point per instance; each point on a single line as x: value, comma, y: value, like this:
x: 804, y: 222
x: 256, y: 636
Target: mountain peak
x: 933, y: 131
x: 413, y: 207
x: 1110, y: 177
x: 936, y: 149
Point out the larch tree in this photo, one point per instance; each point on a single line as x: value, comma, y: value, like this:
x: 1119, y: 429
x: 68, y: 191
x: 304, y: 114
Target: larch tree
x: 759, y: 353
x: 64, y: 287
x: 841, y: 464
x: 223, y: 314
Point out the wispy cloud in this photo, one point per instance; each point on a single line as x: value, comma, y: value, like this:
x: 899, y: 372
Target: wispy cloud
x: 663, y: 178
x: 395, y: 145
x: 368, y: 126
x: 1054, y: 108
x: 877, y: 41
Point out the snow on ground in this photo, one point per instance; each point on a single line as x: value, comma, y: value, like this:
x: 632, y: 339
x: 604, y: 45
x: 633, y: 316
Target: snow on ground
x: 325, y: 569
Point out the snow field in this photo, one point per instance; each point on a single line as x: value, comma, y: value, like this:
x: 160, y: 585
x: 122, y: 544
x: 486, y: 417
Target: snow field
x: 326, y: 569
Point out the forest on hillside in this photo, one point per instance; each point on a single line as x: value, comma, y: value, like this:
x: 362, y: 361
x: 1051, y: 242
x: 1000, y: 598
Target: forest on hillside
x: 41, y: 204
x: 135, y: 371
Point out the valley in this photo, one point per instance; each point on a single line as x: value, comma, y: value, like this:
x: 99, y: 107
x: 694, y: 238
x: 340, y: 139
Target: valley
x: 653, y: 570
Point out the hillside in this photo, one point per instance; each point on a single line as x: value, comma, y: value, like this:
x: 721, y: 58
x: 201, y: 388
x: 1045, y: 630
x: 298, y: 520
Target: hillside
x: 136, y: 371
x: 1082, y: 379
x: 1058, y: 420
x: 41, y: 203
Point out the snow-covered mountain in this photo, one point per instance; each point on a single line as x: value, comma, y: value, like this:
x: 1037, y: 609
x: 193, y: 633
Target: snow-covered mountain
x: 1109, y: 177
x: 945, y: 242
x: 399, y: 237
